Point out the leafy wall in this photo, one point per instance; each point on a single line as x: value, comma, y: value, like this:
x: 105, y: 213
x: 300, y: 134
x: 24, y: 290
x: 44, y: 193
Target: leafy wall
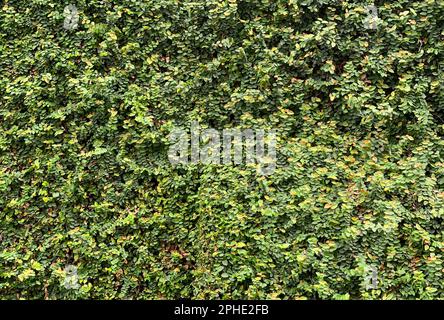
x: 85, y: 179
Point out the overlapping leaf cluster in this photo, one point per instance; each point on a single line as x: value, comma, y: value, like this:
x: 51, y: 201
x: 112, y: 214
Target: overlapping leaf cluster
x: 85, y: 179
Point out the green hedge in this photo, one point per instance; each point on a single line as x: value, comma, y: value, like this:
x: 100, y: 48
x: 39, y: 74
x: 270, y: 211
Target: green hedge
x: 85, y: 179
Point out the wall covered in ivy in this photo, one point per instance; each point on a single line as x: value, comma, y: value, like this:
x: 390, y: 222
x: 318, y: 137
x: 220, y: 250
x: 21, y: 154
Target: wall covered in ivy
x: 86, y: 109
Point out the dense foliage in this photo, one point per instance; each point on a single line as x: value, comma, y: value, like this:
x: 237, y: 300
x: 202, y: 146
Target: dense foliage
x: 85, y: 178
